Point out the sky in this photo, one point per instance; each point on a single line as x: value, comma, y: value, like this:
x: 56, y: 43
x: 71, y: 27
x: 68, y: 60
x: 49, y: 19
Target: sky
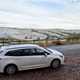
x: 41, y: 14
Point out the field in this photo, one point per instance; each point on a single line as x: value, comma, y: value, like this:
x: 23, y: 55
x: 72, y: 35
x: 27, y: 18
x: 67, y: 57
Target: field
x: 42, y: 37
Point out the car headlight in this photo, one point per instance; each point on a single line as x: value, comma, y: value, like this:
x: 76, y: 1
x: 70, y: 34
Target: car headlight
x: 61, y: 56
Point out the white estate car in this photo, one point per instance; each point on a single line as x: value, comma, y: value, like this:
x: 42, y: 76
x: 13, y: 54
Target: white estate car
x: 28, y: 56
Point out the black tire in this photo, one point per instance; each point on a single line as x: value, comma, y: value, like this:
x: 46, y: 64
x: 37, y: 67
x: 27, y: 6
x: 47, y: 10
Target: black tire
x: 10, y: 69
x: 55, y: 64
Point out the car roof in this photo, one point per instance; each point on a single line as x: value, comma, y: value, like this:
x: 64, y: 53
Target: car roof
x: 18, y: 46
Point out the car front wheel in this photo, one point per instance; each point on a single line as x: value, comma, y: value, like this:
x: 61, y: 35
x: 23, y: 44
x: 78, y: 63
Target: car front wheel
x: 55, y: 64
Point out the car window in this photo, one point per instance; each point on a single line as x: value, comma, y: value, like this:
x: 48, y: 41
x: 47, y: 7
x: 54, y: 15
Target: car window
x: 26, y: 52
x: 33, y: 52
x: 39, y: 51
x: 42, y: 52
x: 15, y: 53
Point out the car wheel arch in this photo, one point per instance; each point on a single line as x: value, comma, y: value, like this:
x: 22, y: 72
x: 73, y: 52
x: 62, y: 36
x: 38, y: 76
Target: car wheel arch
x: 54, y: 60
x: 10, y: 65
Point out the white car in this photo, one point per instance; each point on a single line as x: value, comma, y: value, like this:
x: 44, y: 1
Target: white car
x: 29, y: 56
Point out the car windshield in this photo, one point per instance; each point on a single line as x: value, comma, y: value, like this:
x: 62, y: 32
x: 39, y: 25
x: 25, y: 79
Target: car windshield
x: 48, y: 50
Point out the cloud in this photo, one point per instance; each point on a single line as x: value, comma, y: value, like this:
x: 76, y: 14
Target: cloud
x: 40, y: 13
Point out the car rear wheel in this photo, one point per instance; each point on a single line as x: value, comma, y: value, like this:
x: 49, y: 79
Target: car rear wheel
x: 10, y: 69
x: 55, y: 64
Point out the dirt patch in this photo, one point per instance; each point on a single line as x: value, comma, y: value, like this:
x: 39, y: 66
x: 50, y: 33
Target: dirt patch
x: 70, y: 71
x: 72, y: 60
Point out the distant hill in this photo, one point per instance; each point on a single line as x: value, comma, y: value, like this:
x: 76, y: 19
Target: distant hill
x: 23, y: 33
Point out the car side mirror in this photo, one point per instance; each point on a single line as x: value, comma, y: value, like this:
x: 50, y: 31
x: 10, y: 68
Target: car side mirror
x: 45, y: 54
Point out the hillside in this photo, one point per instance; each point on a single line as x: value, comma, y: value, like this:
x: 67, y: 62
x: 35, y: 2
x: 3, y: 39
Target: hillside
x: 20, y: 33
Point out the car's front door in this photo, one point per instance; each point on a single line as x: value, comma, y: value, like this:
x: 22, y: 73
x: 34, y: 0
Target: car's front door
x: 45, y: 59
x: 33, y: 58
